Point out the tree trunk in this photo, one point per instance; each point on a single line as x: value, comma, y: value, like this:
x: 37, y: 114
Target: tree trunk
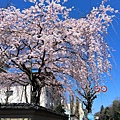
x: 35, y: 95
x: 89, y: 107
x: 26, y: 94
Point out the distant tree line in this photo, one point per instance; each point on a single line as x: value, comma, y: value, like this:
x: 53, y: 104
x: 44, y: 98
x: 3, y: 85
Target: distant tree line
x: 110, y: 113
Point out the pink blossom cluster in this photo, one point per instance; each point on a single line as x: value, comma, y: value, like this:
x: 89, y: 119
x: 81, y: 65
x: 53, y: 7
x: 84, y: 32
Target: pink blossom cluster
x: 44, y: 38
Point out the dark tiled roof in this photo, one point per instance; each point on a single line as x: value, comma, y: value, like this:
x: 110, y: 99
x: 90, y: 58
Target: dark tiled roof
x: 26, y: 106
x: 19, y: 106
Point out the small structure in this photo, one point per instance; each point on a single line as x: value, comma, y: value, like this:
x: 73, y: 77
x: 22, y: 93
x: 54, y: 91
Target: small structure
x: 23, y: 111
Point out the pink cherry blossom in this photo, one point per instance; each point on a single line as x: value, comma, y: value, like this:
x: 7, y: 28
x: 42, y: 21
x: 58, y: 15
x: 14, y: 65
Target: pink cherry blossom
x: 39, y: 39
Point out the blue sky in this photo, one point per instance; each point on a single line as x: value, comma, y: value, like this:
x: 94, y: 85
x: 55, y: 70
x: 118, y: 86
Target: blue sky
x: 83, y: 7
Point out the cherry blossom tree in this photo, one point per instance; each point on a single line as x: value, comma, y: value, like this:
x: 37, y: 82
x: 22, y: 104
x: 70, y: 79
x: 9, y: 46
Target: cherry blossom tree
x: 42, y: 43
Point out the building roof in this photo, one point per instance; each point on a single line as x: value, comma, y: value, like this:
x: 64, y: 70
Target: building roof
x: 27, y: 106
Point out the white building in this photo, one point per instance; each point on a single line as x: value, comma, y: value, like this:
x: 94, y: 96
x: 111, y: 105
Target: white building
x: 22, y: 94
x: 77, y: 112
x: 18, y: 94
